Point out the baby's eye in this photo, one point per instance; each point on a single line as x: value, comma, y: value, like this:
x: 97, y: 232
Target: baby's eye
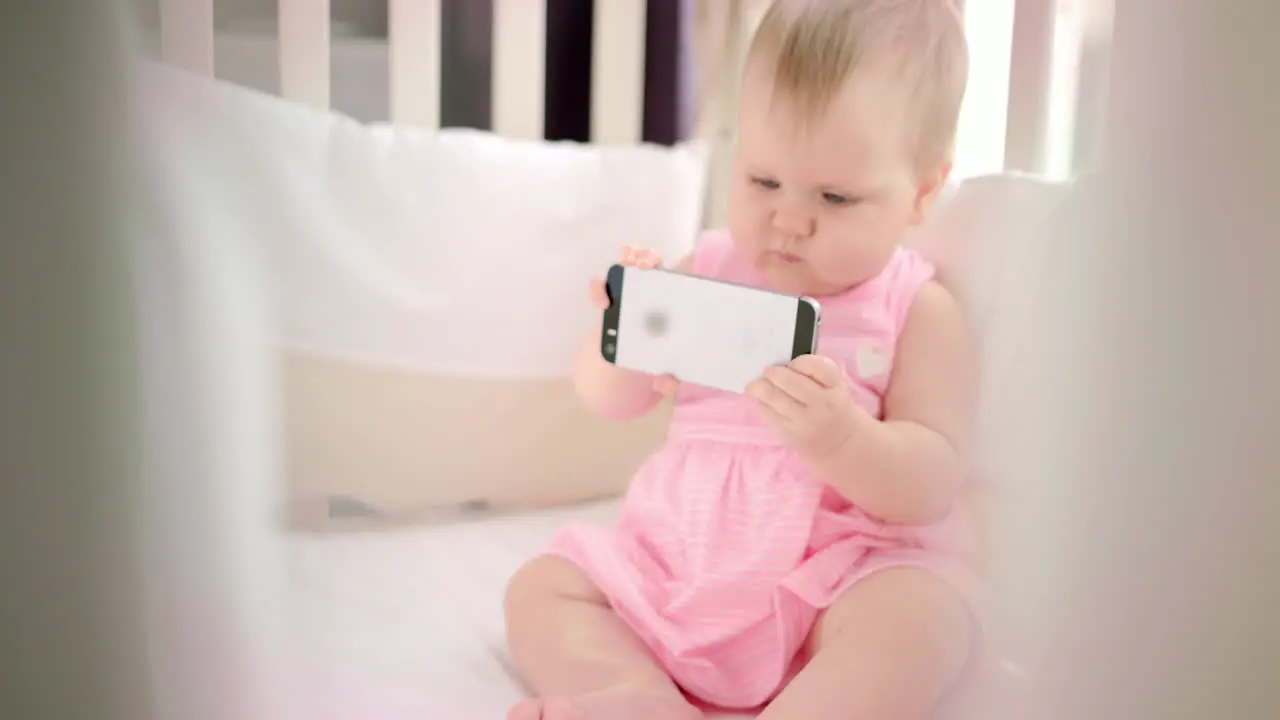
x: 766, y: 183
x: 835, y: 199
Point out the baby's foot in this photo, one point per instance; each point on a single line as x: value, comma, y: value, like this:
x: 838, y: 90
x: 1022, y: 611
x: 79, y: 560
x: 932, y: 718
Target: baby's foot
x: 607, y: 705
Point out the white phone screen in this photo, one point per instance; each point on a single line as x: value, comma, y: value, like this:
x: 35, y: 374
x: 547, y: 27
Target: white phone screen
x: 702, y: 331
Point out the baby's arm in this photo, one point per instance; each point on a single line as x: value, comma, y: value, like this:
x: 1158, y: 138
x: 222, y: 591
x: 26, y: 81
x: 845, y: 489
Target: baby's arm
x: 908, y: 468
x: 607, y: 390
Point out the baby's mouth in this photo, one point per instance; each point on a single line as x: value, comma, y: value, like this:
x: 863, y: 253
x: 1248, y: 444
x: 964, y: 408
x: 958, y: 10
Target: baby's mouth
x: 784, y: 256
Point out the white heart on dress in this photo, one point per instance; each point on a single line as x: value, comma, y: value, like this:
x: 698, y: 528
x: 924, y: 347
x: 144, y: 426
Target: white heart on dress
x: 871, y: 362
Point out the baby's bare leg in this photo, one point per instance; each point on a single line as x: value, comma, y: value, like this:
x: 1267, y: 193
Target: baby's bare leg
x: 577, y: 656
x: 888, y: 649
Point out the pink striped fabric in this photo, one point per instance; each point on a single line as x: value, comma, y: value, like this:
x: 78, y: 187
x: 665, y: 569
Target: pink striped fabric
x: 727, y: 548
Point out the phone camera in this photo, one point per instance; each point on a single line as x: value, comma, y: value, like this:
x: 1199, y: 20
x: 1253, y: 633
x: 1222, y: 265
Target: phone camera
x: 656, y: 323
x: 609, y: 349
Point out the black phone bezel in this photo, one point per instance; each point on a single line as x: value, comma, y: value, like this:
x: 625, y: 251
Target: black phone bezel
x: 808, y: 317
x: 609, y: 324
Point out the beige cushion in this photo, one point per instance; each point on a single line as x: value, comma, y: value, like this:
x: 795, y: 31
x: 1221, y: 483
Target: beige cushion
x: 988, y: 238
x: 981, y: 236
x: 412, y: 447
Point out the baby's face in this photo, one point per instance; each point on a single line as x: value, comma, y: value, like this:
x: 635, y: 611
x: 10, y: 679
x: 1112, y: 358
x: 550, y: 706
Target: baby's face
x: 820, y: 206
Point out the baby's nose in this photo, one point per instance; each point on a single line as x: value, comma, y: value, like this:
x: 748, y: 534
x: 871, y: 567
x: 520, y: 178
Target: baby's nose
x: 793, y: 224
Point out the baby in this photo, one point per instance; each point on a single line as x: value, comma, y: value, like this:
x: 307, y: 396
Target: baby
x: 793, y: 550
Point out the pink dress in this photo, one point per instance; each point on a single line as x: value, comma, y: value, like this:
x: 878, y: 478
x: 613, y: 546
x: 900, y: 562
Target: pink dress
x: 728, y: 547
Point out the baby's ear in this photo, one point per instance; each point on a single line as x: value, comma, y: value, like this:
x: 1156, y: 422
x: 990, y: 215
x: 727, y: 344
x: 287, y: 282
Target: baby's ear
x: 930, y: 186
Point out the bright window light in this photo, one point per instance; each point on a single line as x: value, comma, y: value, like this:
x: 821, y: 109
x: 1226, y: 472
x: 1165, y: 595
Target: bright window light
x: 980, y: 137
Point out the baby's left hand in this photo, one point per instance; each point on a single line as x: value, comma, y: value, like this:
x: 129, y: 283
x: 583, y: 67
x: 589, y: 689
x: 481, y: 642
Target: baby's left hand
x: 807, y: 404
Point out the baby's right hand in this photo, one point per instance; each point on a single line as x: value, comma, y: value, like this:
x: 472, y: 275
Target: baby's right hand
x: 642, y: 258
x: 666, y: 385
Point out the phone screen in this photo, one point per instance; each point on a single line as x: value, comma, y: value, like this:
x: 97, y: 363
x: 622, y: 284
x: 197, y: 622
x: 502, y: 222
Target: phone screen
x: 703, y: 331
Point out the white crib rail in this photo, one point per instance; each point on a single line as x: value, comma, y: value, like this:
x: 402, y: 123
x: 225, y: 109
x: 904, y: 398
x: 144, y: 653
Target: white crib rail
x: 415, y: 27
x: 304, y: 52
x: 617, y: 71
x: 519, y: 67
x: 415, y: 62
x: 618, y: 68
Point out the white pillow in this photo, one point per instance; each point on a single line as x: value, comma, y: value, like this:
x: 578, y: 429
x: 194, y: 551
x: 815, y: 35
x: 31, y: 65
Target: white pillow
x: 982, y: 236
x: 988, y: 238
x: 431, y: 290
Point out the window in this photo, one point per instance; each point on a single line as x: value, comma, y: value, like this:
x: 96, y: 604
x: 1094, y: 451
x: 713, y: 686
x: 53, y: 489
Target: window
x: 980, y: 138
x: 1037, y: 80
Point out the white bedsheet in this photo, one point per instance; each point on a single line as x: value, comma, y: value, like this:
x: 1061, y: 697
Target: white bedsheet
x: 408, y: 624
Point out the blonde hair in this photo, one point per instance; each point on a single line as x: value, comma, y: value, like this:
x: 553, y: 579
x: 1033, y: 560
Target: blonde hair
x: 814, y: 46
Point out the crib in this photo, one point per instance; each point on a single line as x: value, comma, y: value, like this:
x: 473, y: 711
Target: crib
x: 399, y: 547
x: 1033, y: 106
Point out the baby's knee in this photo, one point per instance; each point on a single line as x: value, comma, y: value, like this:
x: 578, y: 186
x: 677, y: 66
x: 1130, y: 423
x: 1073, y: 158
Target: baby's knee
x: 897, y: 604
x: 547, y: 578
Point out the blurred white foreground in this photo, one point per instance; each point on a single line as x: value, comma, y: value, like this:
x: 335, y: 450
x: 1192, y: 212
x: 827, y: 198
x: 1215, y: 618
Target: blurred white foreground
x: 1142, y: 562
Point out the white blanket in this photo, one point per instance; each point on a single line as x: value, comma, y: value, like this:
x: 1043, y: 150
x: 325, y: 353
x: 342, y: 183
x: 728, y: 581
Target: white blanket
x: 407, y: 625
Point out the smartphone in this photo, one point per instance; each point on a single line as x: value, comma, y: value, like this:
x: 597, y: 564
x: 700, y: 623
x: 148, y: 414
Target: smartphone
x: 709, y: 332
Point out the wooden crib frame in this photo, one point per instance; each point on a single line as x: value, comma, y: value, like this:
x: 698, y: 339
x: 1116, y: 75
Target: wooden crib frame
x: 1020, y: 102
x: 187, y: 40
x: 519, y: 47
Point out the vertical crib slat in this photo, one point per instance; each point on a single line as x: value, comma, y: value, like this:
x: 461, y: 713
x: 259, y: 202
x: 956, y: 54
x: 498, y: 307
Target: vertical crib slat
x: 1032, y: 47
x: 727, y: 28
x: 304, y: 52
x: 617, y: 71
x: 415, y: 62
x: 1064, y: 96
x: 519, y: 66
x: 186, y: 34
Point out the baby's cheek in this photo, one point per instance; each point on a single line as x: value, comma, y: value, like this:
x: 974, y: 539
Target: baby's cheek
x: 749, y: 240
x: 743, y: 230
